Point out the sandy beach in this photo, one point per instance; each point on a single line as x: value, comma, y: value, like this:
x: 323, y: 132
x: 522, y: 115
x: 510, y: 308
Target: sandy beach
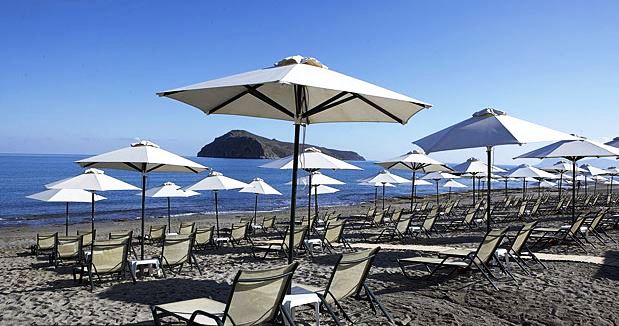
x: 567, y: 293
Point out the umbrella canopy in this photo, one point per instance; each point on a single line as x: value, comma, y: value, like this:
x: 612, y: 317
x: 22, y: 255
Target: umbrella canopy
x: 317, y: 178
x: 488, y: 128
x: 474, y: 167
x: 143, y: 157
x: 437, y: 176
x: 311, y: 159
x: 323, y: 190
x: 528, y: 171
x: 92, y: 180
x: 384, y: 177
x: 168, y: 190
x: 562, y: 168
x: 453, y: 184
x: 65, y: 196
x: 545, y: 184
x: 592, y: 170
x: 215, y: 182
x: 414, y: 161
x: 573, y: 150
x: 614, y: 142
x: 301, y: 90
x: 259, y: 187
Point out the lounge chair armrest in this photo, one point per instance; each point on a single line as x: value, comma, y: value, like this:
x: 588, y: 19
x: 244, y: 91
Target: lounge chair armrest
x: 204, y: 313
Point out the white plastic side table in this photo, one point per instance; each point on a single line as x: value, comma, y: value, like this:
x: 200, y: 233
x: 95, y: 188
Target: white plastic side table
x: 133, y: 265
x: 299, y: 297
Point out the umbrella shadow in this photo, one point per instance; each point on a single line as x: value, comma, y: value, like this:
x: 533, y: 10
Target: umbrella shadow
x: 154, y: 292
x: 608, y: 271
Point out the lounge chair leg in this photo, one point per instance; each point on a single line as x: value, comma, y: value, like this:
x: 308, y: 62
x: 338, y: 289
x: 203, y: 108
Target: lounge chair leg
x: 329, y: 310
x: 373, y: 298
x: 480, y: 268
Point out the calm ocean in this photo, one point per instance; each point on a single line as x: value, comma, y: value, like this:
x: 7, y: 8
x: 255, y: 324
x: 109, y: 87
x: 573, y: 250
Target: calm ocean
x: 22, y: 175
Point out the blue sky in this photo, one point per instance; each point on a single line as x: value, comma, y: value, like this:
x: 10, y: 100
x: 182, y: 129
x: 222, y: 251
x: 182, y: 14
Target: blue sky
x: 81, y: 76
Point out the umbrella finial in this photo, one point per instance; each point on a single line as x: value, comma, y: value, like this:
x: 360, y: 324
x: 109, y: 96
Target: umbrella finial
x: 144, y: 143
x: 258, y: 180
x: 489, y: 112
x: 215, y: 173
x: 313, y: 149
x: 299, y: 59
x: 94, y: 171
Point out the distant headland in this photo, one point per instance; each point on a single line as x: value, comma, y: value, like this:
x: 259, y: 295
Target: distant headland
x: 244, y: 144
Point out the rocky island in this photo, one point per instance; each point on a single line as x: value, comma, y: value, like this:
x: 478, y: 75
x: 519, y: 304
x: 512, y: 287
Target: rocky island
x: 243, y: 144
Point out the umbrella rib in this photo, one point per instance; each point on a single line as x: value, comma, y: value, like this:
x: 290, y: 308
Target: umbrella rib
x: 133, y: 166
x: 329, y: 103
x: 379, y: 108
x: 233, y: 98
x: 155, y: 168
x: 269, y: 101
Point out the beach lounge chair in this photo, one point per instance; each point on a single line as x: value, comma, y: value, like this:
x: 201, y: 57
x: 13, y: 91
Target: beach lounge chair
x: 519, y: 250
x: 87, y: 237
x: 187, y: 228
x: 267, y: 224
x: 46, y: 244
x: 204, y: 238
x: 333, y: 234
x: 565, y: 234
x: 468, y: 221
x: 592, y: 226
x: 108, y: 258
x: 176, y: 252
x: 280, y: 247
x: 156, y: 233
x: 255, y: 299
x: 399, y: 230
x: 124, y: 235
x: 348, y: 280
x: 479, y: 258
x: 236, y: 235
x: 68, y: 248
x: 427, y: 226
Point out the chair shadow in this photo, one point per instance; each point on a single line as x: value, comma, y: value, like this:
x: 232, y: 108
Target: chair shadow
x: 154, y: 292
x: 607, y: 271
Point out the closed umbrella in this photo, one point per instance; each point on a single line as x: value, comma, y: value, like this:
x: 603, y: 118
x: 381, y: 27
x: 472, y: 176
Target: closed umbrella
x: 92, y: 180
x: 65, y: 196
x: 474, y: 167
x: 573, y: 150
x: 144, y: 157
x: 437, y: 176
x: 301, y: 90
x: 527, y: 171
x: 259, y: 187
x: 414, y: 161
x: 385, y: 177
x: 311, y: 160
x: 169, y: 190
x: 488, y: 128
x: 216, y: 182
x: 452, y: 184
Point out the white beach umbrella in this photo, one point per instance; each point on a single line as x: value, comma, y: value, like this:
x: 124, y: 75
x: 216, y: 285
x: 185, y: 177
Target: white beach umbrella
x: 92, y: 180
x: 525, y: 171
x: 303, y: 91
x: 317, y: 179
x: 65, y: 196
x: 488, y: 128
x: 320, y: 190
x: 452, y: 184
x: 216, y: 182
x: 614, y: 142
x: 259, y: 187
x: 169, y: 190
x: 376, y: 185
x: 591, y: 172
x: 414, y: 161
x: 544, y: 184
x: 474, y: 167
x: 143, y: 157
x: 437, y: 176
x: 310, y: 160
x: 562, y: 168
x: 573, y: 150
x: 384, y: 177
x: 613, y: 171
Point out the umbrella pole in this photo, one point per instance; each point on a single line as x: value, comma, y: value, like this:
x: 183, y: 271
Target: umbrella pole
x: 560, y: 184
x: 375, y: 197
x: 413, y: 191
x: 255, y: 209
x: 295, y: 167
x: 595, y: 186
x: 574, y: 190
x: 488, y: 206
x: 524, y: 187
x: 383, y: 196
x: 66, y: 221
x: 143, y: 208
x: 316, y: 202
x: 506, y: 194
x: 309, y: 196
x: 216, y: 212
x: 539, y: 189
x: 437, y: 200
x: 585, y: 186
x: 473, y: 189
x: 92, y: 222
x: 449, y: 194
x: 169, y: 227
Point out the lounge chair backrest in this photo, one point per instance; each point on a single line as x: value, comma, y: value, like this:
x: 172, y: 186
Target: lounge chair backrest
x: 177, y: 250
x: 268, y: 222
x: 121, y: 235
x: 395, y: 217
x: 378, y: 217
x: 488, y: 246
x: 109, y: 256
x: 428, y: 222
x: 157, y: 232
x: 522, y: 209
x: 299, y: 236
x: 332, y: 218
x: 349, y: 274
x: 257, y: 296
x: 309, y: 221
x: 334, y: 231
x: 403, y: 224
x: 239, y: 232
x: 245, y: 219
x: 186, y: 228
x: 204, y: 235
x: 470, y: 216
x: 599, y: 216
x: 522, y: 236
x: 47, y: 241
x: 88, y: 236
x: 449, y: 208
x: 69, y: 247
x: 575, y: 227
x: 371, y: 212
